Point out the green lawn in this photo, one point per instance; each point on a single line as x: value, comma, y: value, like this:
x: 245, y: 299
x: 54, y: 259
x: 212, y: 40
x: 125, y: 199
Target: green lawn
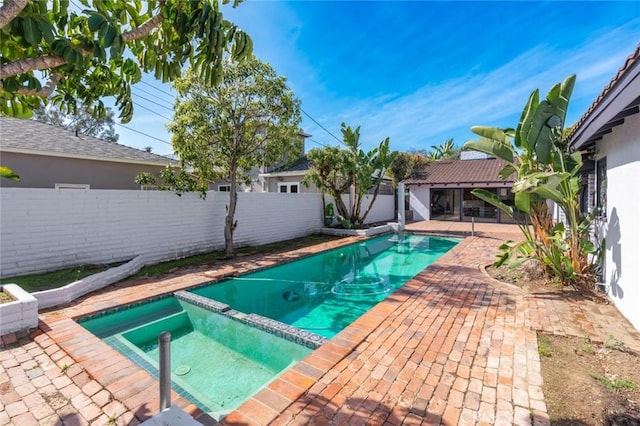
x: 55, y: 279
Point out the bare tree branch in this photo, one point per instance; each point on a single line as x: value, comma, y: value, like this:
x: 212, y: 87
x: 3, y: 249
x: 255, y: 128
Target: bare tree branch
x: 45, y: 92
x: 143, y: 29
x: 30, y: 64
x: 10, y: 9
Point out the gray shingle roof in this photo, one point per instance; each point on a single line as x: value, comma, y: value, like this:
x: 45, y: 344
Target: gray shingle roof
x: 301, y: 164
x: 34, y: 137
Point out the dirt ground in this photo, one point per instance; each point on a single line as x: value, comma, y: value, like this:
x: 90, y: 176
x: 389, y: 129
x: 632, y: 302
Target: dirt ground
x: 584, y: 383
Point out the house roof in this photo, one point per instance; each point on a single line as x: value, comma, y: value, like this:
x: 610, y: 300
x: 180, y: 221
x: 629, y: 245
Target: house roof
x: 619, y: 99
x: 34, y: 137
x: 301, y: 164
x: 300, y: 167
x: 459, y: 173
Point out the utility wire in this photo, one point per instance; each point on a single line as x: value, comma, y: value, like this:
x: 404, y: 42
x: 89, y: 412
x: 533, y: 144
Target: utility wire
x: 149, y: 93
x: 154, y: 112
x: 144, y: 134
x: 318, y: 143
x: 159, y: 90
x: 321, y: 126
x: 153, y: 102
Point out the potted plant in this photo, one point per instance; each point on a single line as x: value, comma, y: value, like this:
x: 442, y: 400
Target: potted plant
x: 328, y: 214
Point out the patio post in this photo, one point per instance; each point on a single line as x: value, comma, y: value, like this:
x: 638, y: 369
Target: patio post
x: 400, y: 195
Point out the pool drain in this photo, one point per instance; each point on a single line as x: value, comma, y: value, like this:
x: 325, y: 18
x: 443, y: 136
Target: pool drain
x: 182, y: 370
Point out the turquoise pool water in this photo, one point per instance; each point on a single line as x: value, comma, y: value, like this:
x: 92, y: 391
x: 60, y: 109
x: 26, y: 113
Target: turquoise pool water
x: 217, y: 362
x: 326, y: 292
x: 220, y: 351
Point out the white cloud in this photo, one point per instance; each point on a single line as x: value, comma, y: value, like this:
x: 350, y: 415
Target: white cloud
x: 435, y: 112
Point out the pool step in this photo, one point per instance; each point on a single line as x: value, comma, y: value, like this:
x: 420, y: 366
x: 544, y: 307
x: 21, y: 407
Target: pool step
x: 288, y: 332
x: 203, y: 302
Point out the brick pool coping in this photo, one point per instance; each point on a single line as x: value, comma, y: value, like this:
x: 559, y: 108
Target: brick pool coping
x: 450, y: 347
x: 136, y: 389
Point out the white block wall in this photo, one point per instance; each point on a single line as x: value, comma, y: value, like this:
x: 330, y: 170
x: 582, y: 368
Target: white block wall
x: 383, y: 209
x: 622, y: 275
x: 48, y: 229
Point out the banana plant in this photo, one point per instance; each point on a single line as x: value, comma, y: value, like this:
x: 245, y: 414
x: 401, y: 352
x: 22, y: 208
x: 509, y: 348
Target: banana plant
x: 542, y: 169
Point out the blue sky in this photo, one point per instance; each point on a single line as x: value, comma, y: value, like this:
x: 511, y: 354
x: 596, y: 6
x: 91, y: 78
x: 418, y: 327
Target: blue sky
x: 419, y: 72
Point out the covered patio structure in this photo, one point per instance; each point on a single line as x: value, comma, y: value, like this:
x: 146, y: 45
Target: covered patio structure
x: 442, y: 190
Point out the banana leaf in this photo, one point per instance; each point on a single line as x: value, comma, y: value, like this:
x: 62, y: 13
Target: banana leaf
x: 493, y: 199
x: 491, y: 147
x: 6, y: 172
x: 526, y: 119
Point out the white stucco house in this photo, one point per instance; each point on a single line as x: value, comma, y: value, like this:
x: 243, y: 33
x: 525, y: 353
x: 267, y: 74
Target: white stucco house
x: 609, y: 136
x: 442, y: 190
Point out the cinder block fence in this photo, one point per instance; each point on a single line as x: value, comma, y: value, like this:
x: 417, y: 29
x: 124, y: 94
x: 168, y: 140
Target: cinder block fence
x: 48, y: 229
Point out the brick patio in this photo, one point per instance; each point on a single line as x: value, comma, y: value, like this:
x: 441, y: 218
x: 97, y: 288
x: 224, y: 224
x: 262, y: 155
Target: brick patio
x: 451, y: 347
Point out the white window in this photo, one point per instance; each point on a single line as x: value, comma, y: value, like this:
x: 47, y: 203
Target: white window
x: 224, y: 188
x: 292, y: 188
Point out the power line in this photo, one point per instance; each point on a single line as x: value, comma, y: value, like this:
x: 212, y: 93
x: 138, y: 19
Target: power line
x: 157, y: 104
x: 144, y: 134
x: 159, y: 90
x: 154, y: 112
x: 321, y: 126
x: 319, y: 143
x: 149, y: 93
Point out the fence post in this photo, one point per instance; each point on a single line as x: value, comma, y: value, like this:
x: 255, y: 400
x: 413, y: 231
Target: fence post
x: 164, y: 343
x: 473, y: 225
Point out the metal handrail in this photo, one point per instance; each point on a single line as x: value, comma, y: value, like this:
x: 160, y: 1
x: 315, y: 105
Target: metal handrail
x: 164, y: 343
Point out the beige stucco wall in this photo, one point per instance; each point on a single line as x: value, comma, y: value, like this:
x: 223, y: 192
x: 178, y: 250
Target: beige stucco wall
x: 39, y: 171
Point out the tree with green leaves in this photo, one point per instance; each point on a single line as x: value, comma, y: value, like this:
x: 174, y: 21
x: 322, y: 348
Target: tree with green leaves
x: 335, y: 170
x: 404, y: 165
x: 250, y: 119
x: 544, y: 170
x: 79, y: 56
x: 84, y: 122
x: 445, y: 151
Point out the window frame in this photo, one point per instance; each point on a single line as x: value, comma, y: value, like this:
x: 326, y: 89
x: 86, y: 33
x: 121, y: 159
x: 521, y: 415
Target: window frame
x: 288, y: 186
x: 601, y: 186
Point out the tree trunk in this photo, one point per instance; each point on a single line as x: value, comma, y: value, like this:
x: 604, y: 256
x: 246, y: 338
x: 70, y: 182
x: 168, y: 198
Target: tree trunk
x: 340, y: 206
x: 229, y: 224
x: 373, y: 200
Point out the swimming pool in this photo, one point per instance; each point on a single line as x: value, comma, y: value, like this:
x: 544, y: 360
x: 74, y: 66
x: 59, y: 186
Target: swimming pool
x: 231, y: 338
x: 326, y: 292
x: 204, y: 345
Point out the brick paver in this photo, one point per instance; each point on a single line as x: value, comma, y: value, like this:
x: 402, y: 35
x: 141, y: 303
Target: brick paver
x: 452, y: 346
